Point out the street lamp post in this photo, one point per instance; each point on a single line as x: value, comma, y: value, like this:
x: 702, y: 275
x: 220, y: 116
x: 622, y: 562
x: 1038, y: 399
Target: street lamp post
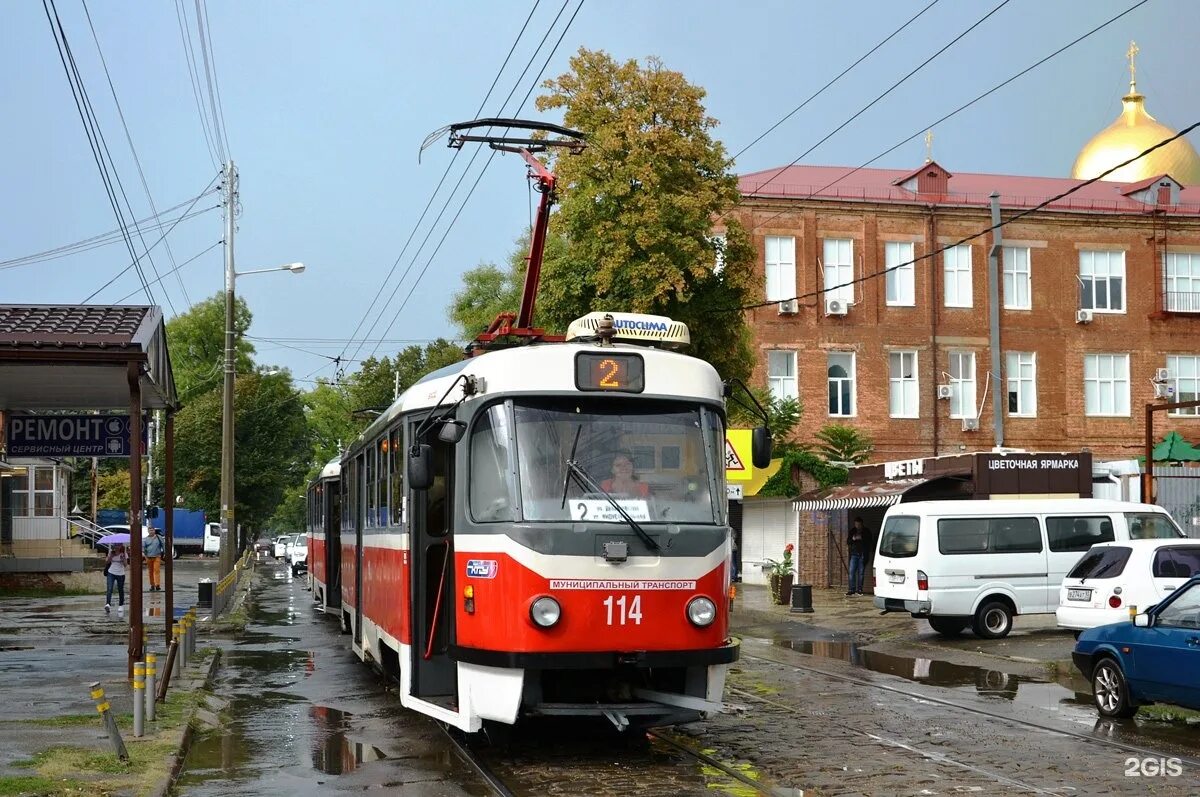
x: 228, y: 520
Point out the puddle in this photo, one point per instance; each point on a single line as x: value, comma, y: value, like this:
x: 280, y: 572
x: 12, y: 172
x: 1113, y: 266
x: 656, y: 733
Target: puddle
x: 4, y: 648
x: 333, y: 752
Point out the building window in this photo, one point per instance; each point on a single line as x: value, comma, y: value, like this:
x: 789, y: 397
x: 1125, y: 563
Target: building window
x: 1018, y: 293
x: 957, y: 260
x: 33, y: 492
x: 839, y: 269
x: 962, y: 384
x: 903, y: 394
x: 901, y: 277
x: 718, y: 242
x: 1182, y: 283
x: 1106, y: 384
x: 1021, y: 372
x: 781, y: 374
x: 1185, y: 378
x: 781, y: 267
x: 841, y: 384
x: 1102, y: 281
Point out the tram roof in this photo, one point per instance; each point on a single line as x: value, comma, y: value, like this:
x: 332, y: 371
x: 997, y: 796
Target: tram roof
x: 550, y: 368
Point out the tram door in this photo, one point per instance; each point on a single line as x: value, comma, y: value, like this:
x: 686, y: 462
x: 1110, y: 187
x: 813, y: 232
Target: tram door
x: 357, y: 511
x: 435, y: 674
x: 333, y: 545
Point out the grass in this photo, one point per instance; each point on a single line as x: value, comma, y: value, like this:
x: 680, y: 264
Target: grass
x: 1161, y: 712
x: 36, y: 784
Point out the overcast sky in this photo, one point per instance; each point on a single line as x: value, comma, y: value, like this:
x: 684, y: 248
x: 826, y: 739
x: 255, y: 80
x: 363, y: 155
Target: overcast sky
x: 326, y: 105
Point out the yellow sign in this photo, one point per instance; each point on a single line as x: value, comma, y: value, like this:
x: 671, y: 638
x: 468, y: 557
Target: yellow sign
x: 739, y: 467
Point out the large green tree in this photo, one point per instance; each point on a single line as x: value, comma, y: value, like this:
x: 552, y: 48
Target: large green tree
x: 489, y: 290
x: 197, y: 342
x: 638, y: 208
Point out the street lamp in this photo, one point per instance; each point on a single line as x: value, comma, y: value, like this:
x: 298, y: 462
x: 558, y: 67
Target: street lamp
x: 228, y: 521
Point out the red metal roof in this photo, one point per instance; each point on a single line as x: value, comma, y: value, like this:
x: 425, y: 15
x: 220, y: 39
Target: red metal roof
x: 846, y: 183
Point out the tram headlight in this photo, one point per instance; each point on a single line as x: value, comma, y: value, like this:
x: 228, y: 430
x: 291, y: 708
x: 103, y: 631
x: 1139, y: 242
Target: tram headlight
x: 545, y: 612
x: 701, y: 611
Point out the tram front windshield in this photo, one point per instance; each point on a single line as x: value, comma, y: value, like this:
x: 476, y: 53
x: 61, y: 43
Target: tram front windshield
x: 662, y: 462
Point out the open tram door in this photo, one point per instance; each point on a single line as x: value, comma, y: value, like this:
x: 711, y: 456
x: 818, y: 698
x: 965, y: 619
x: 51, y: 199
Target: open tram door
x: 332, y: 520
x: 432, y: 577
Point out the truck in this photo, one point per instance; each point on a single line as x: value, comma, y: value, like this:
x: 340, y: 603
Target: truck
x: 192, y: 533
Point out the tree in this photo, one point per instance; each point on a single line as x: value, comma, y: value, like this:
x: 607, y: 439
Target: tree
x: 489, y: 290
x: 197, y: 342
x: 840, y: 443
x: 637, y: 208
x: 782, y: 416
x: 112, y: 490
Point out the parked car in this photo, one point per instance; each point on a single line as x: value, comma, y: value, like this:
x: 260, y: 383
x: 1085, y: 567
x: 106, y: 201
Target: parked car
x: 281, y: 545
x: 1114, y: 577
x: 1152, y: 659
x: 264, y: 545
x: 298, y: 556
x: 980, y: 563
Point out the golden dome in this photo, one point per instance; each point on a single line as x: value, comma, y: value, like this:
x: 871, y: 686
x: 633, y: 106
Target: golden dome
x: 1133, y: 132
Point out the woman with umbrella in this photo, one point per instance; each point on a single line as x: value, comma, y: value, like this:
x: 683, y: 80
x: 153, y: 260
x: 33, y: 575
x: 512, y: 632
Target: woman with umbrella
x: 114, y: 567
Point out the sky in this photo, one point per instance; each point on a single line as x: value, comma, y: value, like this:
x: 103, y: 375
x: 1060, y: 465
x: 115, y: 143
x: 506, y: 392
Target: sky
x: 326, y: 105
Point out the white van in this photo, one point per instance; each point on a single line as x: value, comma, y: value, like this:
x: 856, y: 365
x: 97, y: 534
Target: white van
x: 212, y: 539
x: 979, y: 563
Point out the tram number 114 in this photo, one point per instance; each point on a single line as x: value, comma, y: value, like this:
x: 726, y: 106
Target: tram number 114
x: 631, y: 615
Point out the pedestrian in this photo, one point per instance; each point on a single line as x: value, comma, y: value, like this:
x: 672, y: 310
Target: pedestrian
x: 114, y: 567
x: 153, y: 548
x: 856, y: 546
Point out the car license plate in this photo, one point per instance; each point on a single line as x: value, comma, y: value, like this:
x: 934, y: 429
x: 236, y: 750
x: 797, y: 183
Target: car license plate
x: 1079, y: 594
x: 896, y: 578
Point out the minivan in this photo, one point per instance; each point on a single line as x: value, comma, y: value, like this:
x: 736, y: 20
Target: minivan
x: 980, y: 563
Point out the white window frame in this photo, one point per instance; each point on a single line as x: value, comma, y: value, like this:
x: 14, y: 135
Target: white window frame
x: 838, y: 269
x: 1095, y: 383
x: 1173, y: 300
x: 1102, y: 264
x: 905, y: 388
x: 1016, y: 378
x: 782, y: 385
x: 1187, y: 386
x: 779, y: 256
x: 956, y: 265
x: 851, y: 379
x: 963, y: 396
x: 901, y: 279
x: 1017, y: 278
x: 718, y: 241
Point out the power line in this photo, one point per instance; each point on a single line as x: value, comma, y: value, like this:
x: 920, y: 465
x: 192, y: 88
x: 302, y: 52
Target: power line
x: 177, y: 268
x: 136, y: 159
x: 964, y: 106
x: 890, y: 89
x: 532, y: 87
x: 209, y: 68
x: 189, y: 56
x: 1003, y: 222
x: 438, y: 188
x: 216, y: 77
x: 839, y: 76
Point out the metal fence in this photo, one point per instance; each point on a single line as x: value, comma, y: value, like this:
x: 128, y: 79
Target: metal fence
x: 1177, y: 490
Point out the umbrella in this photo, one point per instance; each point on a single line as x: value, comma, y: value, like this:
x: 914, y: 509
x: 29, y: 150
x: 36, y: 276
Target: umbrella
x: 113, y: 539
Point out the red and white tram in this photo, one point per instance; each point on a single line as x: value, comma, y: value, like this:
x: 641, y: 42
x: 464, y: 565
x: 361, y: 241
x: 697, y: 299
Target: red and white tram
x: 541, y: 530
x: 324, y: 537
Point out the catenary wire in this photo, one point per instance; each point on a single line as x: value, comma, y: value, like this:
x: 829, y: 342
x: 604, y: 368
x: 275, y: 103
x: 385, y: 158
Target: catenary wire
x: 133, y: 150
x: 437, y: 188
x: 212, y: 94
x: 839, y: 76
x: 536, y: 81
x: 1003, y: 222
x: 965, y: 106
x: 216, y: 75
x: 189, y: 57
x: 177, y: 268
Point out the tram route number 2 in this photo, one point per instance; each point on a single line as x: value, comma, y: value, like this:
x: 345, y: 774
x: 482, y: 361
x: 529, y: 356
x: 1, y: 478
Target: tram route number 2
x: 630, y: 614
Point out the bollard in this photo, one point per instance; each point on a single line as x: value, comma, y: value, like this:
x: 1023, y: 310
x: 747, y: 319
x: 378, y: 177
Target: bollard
x: 110, y: 723
x: 169, y: 669
x: 139, y: 698
x: 191, y: 634
x: 151, y: 685
x: 176, y: 655
x: 183, y: 646
x: 802, y: 598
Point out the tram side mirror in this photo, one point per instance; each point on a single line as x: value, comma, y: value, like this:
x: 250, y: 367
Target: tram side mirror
x: 420, y: 467
x: 452, y: 431
x: 760, y: 446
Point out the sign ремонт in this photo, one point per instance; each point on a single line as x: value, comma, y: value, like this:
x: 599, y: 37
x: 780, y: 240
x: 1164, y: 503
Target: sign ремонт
x: 70, y: 436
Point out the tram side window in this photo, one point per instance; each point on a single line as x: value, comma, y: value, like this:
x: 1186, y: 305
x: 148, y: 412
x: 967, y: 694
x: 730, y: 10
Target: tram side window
x: 372, y: 500
x: 382, y: 471
x: 490, y: 490
x: 396, y: 457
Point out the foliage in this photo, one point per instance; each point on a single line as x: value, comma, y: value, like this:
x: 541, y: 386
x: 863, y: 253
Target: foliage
x: 290, y: 513
x: 841, y: 443
x: 197, y: 342
x: 112, y: 489
x: 637, y: 209
x: 784, y: 566
x: 781, y: 484
x: 782, y: 413
x: 489, y: 290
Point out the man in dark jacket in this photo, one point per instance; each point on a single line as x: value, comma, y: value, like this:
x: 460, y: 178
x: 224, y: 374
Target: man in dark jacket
x: 857, y: 539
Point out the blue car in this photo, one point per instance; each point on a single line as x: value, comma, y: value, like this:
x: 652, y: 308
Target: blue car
x: 1154, y: 659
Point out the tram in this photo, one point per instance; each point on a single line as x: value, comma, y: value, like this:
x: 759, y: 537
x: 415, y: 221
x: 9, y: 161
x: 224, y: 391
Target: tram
x: 323, y: 518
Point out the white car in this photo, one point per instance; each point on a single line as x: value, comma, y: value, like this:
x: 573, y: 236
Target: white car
x: 1114, y: 578
x: 298, y: 554
x: 281, y: 546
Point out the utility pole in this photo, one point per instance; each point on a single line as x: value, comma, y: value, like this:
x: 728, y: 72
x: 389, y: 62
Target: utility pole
x: 150, y: 441
x: 228, y: 520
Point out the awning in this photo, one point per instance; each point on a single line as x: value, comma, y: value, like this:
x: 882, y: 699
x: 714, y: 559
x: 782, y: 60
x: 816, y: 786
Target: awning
x: 857, y: 496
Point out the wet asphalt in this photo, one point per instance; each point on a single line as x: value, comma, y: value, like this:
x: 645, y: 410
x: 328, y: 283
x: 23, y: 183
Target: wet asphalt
x: 306, y: 717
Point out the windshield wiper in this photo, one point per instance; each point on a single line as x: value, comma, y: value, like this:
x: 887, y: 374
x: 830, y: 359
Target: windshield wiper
x: 589, y: 485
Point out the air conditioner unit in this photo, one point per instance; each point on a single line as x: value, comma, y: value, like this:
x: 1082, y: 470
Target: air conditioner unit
x: 970, y: 424
x: 835, y: 307
x: 789, y: 307
x: 1083, y: 316
x: 945, y: 391
x: 1161, y: 374
x: 1163, y: 391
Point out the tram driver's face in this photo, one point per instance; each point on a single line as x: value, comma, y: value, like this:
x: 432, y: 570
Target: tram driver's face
x: 622, y: 468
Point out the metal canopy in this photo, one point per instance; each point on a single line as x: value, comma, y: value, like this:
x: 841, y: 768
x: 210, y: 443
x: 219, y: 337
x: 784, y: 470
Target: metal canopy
x: 857, y: 496
x: 75, y: 357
